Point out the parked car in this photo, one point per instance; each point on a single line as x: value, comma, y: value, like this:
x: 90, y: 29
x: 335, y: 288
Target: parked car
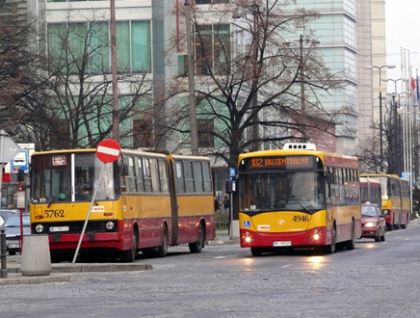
x: 12, y: 230
x: 373, y: 222
x: 1, y: 221
x: 5, y: 213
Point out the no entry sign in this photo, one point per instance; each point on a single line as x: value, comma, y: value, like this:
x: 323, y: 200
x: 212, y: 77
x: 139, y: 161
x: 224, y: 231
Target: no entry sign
x: 108, y: 150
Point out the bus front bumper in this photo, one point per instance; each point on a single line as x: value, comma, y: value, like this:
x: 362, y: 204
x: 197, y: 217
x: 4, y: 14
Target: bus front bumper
x: 112, y: 240
x: 312, y: 237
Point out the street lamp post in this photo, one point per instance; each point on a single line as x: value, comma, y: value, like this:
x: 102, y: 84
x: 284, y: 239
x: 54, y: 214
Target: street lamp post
x: 395, y: 138
x: 191, y: 87
x: 380, y: 112
x: 114, y: 101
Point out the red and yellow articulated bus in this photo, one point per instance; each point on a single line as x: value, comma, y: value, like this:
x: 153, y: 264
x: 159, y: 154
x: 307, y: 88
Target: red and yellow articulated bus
x: 144, y: 202
x: 298, y: 198
x: 396, y: 201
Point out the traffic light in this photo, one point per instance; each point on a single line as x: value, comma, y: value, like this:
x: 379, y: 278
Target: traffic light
x: 6, y: 177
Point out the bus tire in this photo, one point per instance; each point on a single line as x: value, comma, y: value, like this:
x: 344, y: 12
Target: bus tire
x: 330, y: 249
x: 162, y: 250
x: 197, y: 246
x: 351, y: 244
x: 129, y: 256
x: 256, y: 251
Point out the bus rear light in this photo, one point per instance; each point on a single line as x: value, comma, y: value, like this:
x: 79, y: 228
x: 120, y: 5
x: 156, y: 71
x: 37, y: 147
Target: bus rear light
x: 248, y: 239
x: 385, y: 211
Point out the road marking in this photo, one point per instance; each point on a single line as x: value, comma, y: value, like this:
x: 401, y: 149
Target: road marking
x: 220, y: 257
x: 285, y: 266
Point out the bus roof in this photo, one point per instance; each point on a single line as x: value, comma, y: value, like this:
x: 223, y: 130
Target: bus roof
x: 189, y: 157
x: 328, y: 157
x: 380, y: 174
x: 124, y: 151
x: 369, y: 180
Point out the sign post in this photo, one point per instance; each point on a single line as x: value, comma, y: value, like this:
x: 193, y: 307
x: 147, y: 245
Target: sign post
x: 8, y: 149
x: 107, y: 151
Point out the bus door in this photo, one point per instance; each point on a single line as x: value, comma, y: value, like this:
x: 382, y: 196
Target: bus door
x: 172, y: 173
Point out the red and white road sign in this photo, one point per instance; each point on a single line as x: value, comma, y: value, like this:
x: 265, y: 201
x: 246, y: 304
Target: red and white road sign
x: 108, y: 150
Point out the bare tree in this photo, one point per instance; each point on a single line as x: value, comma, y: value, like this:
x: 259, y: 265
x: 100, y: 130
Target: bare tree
x: 269, y: 83
x: 72, y: 108
x: 15, y: 61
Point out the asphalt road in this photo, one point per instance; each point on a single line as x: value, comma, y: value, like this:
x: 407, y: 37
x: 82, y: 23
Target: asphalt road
x: 374, y: 280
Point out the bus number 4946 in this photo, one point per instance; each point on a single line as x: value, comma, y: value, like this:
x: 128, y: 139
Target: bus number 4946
x: 301, y: 218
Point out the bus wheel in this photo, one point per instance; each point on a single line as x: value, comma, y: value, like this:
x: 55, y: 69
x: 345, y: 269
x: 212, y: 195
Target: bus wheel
x: 330, y: 249
x: 197, y: 246
x: 130, y: 255
x: 255, y: 251
x: 352, y: 243
x: 162, y: 250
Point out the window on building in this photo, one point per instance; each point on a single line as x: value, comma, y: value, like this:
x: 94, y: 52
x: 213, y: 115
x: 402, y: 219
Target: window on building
x: 182, y: 65
x: 143, y: 131
x: 76, y: 44
x: 206, y: 130
x: 212, y: 43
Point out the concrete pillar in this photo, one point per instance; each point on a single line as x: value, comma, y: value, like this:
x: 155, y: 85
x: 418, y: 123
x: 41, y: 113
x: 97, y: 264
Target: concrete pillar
x: 36, y: 258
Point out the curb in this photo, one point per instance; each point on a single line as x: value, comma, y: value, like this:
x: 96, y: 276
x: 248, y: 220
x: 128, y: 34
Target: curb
x: 15, y: 277
x: 86, y: 268
x: 224, y: 242
x: 34, y: 279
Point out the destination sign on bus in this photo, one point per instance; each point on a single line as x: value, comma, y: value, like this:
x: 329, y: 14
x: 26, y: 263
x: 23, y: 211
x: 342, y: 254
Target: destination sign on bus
x: 281, y: 162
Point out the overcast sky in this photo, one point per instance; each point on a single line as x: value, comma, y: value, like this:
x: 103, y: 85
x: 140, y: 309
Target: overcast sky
x: 402, y: 30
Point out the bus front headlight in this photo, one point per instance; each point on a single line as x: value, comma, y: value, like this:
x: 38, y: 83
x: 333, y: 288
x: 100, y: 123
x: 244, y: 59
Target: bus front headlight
x: 110, y: 225
x: 39, y: 228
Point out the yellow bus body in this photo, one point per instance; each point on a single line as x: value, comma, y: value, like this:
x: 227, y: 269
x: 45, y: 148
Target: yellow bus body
x: 289, y: 228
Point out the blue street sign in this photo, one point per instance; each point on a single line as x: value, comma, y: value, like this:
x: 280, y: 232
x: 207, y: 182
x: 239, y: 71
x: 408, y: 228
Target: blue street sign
x: 232, y: 172
x: 21, y: 161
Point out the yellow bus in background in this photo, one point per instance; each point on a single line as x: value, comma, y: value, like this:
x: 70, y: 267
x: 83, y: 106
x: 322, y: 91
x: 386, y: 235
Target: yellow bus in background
x: 144, y: 202
x: 396, y: 201
x: 298, y: 197
x: 370, y: 191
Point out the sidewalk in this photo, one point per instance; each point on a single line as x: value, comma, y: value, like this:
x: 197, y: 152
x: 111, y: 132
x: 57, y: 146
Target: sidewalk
x: 62, y: 272
x: 222, y: 237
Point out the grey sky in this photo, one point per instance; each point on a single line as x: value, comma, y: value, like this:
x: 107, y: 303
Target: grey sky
x: 402, y: 30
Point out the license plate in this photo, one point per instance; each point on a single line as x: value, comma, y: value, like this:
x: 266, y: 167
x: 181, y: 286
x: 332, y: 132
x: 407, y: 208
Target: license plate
x: 282, y: 243
x: 13, y: 245
x: 59, y: 229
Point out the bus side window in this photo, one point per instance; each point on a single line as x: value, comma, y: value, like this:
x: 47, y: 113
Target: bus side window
x: 123, y: 170
x: 188, y: 177
x: 330, y: 179
x: 179, y: 177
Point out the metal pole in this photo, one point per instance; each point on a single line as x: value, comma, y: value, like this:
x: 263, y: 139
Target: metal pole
x: 88, y: 213
x: 3, y: 251
x: 115, y: 108
x: 191, y: 87
x: 380, y: 128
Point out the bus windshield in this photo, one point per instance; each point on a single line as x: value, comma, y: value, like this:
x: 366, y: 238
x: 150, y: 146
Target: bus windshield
x: 70, y: 177
x: 287, y: 190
